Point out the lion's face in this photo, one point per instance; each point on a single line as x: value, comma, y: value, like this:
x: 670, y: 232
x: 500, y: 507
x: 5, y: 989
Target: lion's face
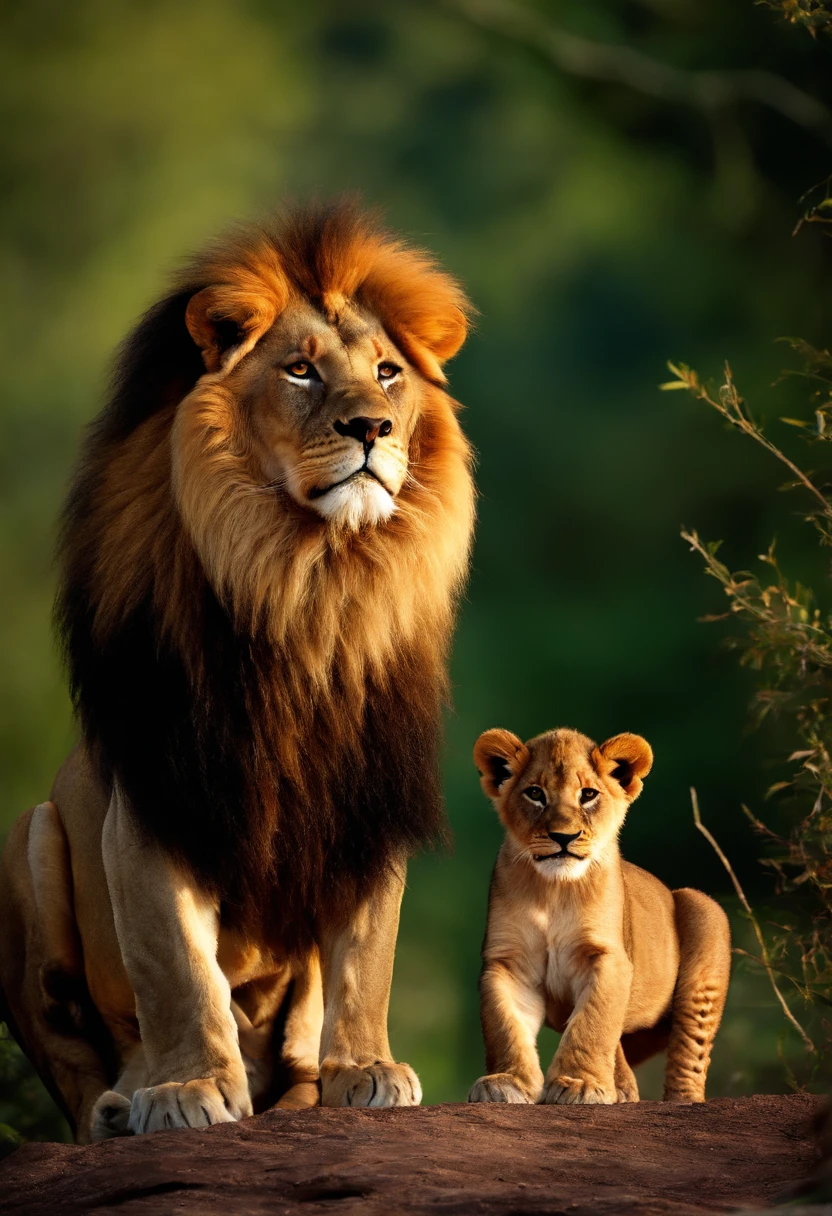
x: 330, y: 407
x: 561, y: 798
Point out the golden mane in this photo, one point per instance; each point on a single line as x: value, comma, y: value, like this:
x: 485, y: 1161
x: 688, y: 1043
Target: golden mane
x: 233, y: 657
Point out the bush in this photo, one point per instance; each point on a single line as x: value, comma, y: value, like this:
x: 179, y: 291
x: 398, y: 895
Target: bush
x: 787, y: 639
x: 26, y: 1110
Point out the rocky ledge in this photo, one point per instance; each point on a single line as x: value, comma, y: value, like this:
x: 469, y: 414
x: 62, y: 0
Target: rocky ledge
x: 645, y: 1158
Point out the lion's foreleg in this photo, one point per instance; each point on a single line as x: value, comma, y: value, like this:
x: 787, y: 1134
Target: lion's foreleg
x: 167, y: 931
x: 357, y: 1068
x: 583, y: 1069
x: 511, y: 1012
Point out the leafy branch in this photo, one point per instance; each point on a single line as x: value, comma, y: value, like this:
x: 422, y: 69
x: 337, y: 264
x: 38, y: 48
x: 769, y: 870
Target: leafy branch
x: 813, y: 15
x: 787, y: 638
x: 764, y: 959
x: 710, y: 92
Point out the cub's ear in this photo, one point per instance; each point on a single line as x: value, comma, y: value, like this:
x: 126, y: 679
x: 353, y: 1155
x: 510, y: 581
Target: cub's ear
x: 626, y: 759
x: 227, y: 322
x: 499, y: 755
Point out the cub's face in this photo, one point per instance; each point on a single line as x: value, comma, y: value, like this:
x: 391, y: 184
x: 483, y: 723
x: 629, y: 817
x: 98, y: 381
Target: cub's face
x: 561, y: 798
x: 329, y: 407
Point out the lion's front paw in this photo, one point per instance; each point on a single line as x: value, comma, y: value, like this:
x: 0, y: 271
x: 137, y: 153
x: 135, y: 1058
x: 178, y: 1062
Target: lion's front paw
x: 566, y: 1091
x: 190, y: 1104
x: 379, y: 1084
x: 499, y: 1087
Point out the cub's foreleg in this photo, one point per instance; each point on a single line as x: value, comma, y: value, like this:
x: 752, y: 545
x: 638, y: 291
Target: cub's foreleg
x: 167, y: 932
x: 357, y: 1068
x: 699, y: 998
x: 511, y: 1012
x: 626, y: 1086
x: 584, y: 1067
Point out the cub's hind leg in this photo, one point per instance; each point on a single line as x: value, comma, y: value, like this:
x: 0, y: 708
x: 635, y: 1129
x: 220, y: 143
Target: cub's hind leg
x: 43, y: 991
x: 699, y: 998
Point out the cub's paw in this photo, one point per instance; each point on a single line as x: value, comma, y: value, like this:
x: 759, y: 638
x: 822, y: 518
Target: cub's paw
x: 190, y: 1104
x: 499, y: 1087
x: 379, y: 1084
x: 626, y: 1093
x: 110, y: 1117
x: 568, y: 1091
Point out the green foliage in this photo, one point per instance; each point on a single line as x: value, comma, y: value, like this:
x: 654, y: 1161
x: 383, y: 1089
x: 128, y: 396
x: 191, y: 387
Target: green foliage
x: 813, y: 15
x: 26, y: 1110
x: 787, y: 641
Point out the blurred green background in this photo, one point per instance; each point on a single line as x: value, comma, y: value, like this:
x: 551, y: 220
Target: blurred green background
x: 600, y: 231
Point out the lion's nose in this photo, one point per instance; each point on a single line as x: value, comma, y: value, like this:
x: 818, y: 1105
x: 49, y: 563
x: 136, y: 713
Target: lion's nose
x: 564, y: 839
x: 365, y: 430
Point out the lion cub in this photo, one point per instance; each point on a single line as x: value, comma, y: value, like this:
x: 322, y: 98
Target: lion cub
x: 592, y: 945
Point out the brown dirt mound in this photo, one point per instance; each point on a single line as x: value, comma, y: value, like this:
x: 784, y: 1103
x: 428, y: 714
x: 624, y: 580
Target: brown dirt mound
x: 645, y: 1158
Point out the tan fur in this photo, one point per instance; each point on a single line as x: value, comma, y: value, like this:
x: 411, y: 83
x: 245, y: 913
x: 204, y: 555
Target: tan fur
x: 202, y: 926
x: 595, y: 947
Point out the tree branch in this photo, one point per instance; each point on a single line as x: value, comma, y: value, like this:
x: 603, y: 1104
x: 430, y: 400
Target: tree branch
x: 764, y: 955
x: 707, y: 91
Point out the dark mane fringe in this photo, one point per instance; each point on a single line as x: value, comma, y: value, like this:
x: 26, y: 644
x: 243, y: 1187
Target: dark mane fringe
x: 202, y: 766
x: 286, y: 805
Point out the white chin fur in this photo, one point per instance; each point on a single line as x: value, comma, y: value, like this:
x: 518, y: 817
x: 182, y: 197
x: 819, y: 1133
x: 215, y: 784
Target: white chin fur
x: 357, y: 502
x: 565, y: 870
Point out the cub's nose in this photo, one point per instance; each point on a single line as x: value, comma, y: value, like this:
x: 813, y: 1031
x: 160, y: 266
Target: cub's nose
x: 365, y: 430
x: 564, y: 839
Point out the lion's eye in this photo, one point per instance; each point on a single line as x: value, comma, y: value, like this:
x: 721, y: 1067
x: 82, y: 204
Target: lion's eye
x: 301, y: 370
x: 387, y: 372
x: 588, y: 795
x: 535, y: 794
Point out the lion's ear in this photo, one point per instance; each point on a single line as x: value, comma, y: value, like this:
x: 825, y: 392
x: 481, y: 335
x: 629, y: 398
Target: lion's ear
x: 627, y: 759
x: 227, y: 322
x: 499, y: 756
x: 429, y: 357
x: 425, y: 311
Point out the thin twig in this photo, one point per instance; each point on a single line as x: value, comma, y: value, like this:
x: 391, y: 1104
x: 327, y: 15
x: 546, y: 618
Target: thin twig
x: 764, y: 955
x: 738, y: 418
x: 708, y: 91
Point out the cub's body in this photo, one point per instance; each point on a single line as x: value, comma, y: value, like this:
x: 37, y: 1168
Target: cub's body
x: 585, y: 942
x: 549, y: 926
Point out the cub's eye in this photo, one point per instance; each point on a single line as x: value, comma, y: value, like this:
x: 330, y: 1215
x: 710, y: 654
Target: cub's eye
x: 588, y: 795
x: 387, y: 372
x: 301, y: 370
x: 535, y: 794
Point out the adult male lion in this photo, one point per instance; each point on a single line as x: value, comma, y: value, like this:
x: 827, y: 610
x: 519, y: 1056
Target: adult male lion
x: 261, y: 554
